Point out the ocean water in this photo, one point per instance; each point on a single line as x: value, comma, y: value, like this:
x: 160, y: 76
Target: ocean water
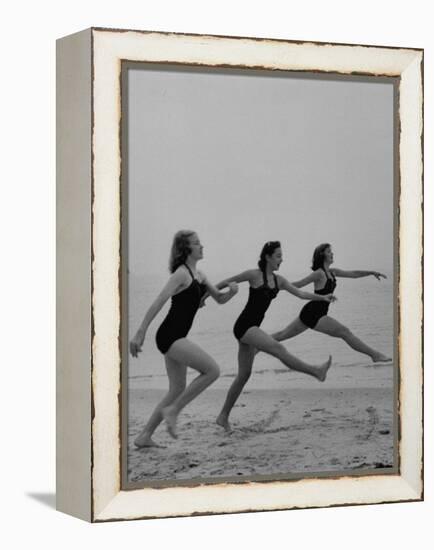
x: 365, y: 305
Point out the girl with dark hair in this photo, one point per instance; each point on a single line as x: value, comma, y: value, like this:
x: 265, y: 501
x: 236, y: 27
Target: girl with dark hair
x: 314, y: 315
x: 264, y: 286
x: 186, y: 287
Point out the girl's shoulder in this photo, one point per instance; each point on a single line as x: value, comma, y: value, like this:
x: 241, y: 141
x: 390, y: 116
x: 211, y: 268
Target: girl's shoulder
x: 255, y: 274
x: 181, y: 273
x: 319, y: 275
x: 182, y: 268
x: 280, y: 278
x: 201, y: 277
x: 319, y: 272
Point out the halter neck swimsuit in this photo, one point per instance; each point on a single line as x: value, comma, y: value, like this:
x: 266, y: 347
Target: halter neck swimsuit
x: 180, y: 317
x: 257, y: 304
x: 313, y: 311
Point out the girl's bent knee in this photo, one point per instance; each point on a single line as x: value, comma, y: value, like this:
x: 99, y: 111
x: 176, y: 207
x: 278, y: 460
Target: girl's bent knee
x: 214, y: 372
x: 345, y: 333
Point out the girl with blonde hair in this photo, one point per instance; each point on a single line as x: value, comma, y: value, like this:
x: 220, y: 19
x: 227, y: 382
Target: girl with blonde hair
x: 186, y: 287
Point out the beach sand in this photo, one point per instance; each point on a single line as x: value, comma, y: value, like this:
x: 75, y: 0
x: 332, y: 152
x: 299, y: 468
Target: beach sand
x: 274, y: 431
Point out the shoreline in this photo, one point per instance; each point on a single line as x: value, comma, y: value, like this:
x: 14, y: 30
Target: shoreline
x: 276, y: 377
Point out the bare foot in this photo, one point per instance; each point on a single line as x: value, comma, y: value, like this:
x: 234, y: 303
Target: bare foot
x: 170, y: 418
x: 144, y: 440
x: 222, y: 420
x: 323, y: 369
x: 380, y: 358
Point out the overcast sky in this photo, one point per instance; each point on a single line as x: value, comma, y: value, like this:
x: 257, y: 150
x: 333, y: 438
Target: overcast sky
x: 247, y: 159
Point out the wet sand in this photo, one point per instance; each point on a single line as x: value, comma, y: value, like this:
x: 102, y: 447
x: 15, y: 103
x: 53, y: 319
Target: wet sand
x: 295, y: 431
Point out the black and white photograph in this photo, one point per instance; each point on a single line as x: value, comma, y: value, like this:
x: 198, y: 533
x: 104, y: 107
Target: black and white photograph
x: 259, y: 274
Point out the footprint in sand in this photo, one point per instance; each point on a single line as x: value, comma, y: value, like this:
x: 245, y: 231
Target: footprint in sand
x: 259, y: 427
x: 278, y: 430
x: 371, y: 424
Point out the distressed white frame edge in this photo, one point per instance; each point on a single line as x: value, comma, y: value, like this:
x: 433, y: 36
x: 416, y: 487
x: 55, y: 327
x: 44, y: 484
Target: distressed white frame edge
x: 73, y: 275
x: 109, y: 48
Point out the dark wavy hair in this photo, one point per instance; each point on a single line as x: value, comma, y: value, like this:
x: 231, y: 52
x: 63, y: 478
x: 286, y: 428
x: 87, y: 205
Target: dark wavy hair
x: 180, y: 249
x: 267, y: 250
x: 318, y: 256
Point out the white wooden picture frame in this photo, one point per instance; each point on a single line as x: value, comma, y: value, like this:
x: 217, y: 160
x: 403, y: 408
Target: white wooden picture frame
x: 89, y: 235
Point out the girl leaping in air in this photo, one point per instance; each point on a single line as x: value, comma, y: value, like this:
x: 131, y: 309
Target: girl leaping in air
x: 264, y: 287
x: 314, y: 315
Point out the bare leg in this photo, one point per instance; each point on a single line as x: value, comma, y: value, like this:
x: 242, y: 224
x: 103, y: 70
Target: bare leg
x: 293, y: 329
x: 259, y: 339
x: 187, y: 353
x: 328, y: 325
x: 246, y: 355
x: 177, y: 374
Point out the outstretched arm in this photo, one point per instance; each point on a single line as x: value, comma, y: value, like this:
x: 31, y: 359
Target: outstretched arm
x: 214, y: 292
x: 240, y: 278
x: 303, y: 295
x: 311, y: 278
x: 357, y: 274
x: 176, y: 281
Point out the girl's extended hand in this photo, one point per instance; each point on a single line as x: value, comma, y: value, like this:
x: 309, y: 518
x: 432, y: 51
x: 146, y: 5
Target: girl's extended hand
x: 233, y: 288
x: 330, y: 298
x: 137, y: 343
x: 378, y: 275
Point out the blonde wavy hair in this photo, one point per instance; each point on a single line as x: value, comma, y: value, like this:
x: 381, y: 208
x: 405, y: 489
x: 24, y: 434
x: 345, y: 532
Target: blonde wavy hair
x: 180, y: 249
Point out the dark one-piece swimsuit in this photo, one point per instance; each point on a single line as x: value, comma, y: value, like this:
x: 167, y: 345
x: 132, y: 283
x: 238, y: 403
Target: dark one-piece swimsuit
x: 180, y: 317
x: 313, y: 311
x: 257, y: 304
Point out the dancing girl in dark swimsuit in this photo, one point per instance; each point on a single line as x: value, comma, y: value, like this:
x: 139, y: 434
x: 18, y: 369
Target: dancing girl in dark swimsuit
x: 314, y: 315
x: 186, y: 287
x: 264, y: 286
